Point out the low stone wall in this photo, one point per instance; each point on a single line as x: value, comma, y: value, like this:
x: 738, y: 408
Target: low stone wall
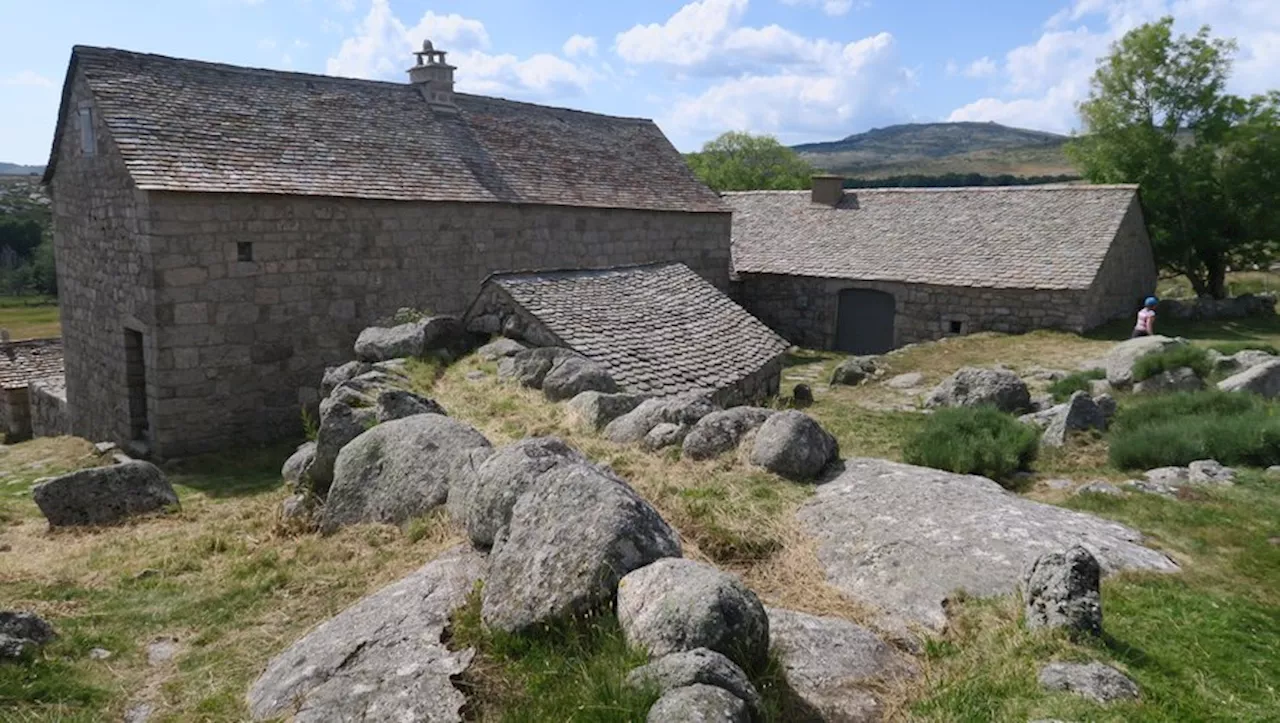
x: 1236, y: 307
x: 754, y: 388
x: 15, y: 415
x: 47, y: 400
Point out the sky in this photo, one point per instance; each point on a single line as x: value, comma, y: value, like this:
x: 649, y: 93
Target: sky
x: 801, y: 70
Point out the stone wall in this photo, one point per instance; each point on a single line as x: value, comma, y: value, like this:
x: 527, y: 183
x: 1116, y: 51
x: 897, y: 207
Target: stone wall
x: 104, y: 273
x: 1127, y: 275
x: 241, y: 344
x: 804, y: 310
x: 15, y: 414
x: 47, y: 399
x: 754, y: 388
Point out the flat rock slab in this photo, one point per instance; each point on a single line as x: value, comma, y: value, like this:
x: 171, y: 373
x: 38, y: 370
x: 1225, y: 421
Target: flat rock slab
x: 906, y: 538
x: 381, y: 659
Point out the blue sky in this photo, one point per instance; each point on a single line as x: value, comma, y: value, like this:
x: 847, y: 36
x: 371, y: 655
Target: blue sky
x: 802, y: 70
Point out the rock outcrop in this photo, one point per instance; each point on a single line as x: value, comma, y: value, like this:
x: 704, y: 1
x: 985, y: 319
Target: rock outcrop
x: 694, y: 667
x: 570, y: 376
x: 721, y: 432
x: 104, y: 495
x: 1263, y: 380
x: 379, y: 344
x: 500, y: 348
x: 854, y: 371
x: 530, y: 367
x: 485, y: 507
x: 1119, y: 362
x: 972, y: 387
x: 793, y: 445
x: 635, y: 425
x: 594, y: 410
x: 1182, y: 379
x: 1098, y: 682
x: 1078, y: 413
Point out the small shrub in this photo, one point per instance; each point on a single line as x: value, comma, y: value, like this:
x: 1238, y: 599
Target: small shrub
x: 1235, y: 429
x: 1173, y: 407
x: 1230, y: 348
x: 1078, y: 382
x: 980, y: 441
x: 310, y: 426
x: 1183, y: 356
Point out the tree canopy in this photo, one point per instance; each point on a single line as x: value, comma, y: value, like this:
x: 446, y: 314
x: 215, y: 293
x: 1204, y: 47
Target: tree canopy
x: 1208, y: 162
x: 738, y: 161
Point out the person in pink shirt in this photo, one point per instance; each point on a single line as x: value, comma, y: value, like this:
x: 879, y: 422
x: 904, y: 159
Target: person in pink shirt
x: 1146, y: 325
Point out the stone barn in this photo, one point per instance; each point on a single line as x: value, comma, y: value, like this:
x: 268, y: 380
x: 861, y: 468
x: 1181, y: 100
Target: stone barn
x: 869, y: 270
x: 659, y: 329
x: 224, y: 233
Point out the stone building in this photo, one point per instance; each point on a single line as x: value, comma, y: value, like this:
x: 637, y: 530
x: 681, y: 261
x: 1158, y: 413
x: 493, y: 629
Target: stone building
x: 24, y: 365
x: 224, y: 233
x: 869, y: 270
x: 659, y: 329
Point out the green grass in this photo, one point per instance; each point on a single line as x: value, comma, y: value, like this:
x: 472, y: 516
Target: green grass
x: 30, y: 317
x: 1181, y: 356
x: 1231, y: 348
x: 981, y: 441
x: 1235, y: 429
x: 1077, y: 382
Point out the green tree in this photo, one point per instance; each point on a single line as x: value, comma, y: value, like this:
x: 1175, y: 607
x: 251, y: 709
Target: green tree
x: 738, y: 161
x: 1208, y: 162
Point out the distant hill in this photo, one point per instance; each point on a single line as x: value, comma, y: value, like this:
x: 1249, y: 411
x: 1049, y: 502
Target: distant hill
x: 15, y: 169
x: 942, y: 148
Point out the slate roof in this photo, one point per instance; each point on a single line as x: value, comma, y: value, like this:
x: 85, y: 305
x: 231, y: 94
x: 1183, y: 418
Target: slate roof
x: 22, y: 362
x: 185, y: 125
x: 1041, y: 237
x: 660, y: 329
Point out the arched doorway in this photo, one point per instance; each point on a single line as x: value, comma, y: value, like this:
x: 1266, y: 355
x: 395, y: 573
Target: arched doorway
x: 864, y: 322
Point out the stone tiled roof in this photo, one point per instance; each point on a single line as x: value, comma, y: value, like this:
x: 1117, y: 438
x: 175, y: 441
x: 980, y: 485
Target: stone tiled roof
x: 184, y: 125
x: 1043, y: 237
x: 22, y: 362
x: 660, y: 329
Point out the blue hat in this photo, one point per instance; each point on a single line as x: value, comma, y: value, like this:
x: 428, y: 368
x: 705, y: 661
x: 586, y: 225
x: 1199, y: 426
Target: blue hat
x: 1151, y: 301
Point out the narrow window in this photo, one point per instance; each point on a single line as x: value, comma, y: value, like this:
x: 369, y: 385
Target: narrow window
x: 88, y: 140
x: 244, y: 251
x: 957, y: 327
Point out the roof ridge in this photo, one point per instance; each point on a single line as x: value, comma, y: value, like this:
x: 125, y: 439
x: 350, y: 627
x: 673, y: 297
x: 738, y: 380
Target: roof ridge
x: 502, y: 275
x: 958, y: 189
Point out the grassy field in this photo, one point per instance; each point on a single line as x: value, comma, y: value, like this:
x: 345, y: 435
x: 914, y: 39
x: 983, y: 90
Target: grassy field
x: 30, y: 317
x: 234, y: 588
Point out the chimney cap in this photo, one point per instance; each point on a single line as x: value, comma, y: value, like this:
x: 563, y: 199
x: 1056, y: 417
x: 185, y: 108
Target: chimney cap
x: 433, y: 56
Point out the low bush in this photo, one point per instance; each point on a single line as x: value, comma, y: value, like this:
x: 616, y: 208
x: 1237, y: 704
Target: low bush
x: 1183, y: 356
x: 1078, y: 382
x: 1230, y: 348
x: 980, y: 441
x: 1175, y: 430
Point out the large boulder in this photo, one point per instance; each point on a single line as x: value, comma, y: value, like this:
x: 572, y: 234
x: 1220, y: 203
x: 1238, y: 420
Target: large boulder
x: 1098, y: 682
x: 664, y: 435
x: 485, y: 507
x: 401, y: 469
x: 1182, y: 379
x: 693, y: 667
x: 349, y: 410
x: 445, y: 337
x: 1210, y: 472
x: 333, y: 376
x: 20, y: 632
x: 792, y: 444
x: 1119, y: 362
x: 378, y: 344
x: 854, y: 371
x: 1263, y: 380
x: 571, y: 375
x: 676, y: 605
x: 571, y: 538
x: 633, y: 426
x: 834, y: 666
x: 295, y: 468
x: 1078, y: 413
x: 1062, y: 590
x: 699, y: 704
x: 530, y: 367
x: 1238, y: 362
x: 104, y: 495
x: 902, y: 538
x: 720, y: 432
x: 395, y: 404
x: 973, y: 387
x: 594, y: 410
x: 382, y: 659
x: 500, y: 348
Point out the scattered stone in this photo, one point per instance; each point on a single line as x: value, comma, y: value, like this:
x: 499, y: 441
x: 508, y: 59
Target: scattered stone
x: 400, y: 403
x: 1101, y: 683
x: 400, y: 470
x: 1182, y: 379
x: 854, y: 371
x: 1171, y: 476
x: 571, y: 538
x: 1263, y: 379
x: 99, y: 654
x: 633, y: 426
x: 383, y: 658
x: 903, y: 538
x: 722, y: 431
x: 104, y: 495
x: 675, y: 605
x: 1099, y: 387
x: 139, y: 713
x: 1061, y: 590
x: 833, y: 665
x: 1100, y: 488
x: 485, y: 508
x: 664, y: 435
x: 1058, y: 484
x: 1107, y: 405
x: 594, y: 410
x: 295, y: 468
x: 699, y: 704
x: 475, y: 375
x: 1210, y: 471
x: 698, y: 666
x: 21, y: 632
x: 104, y: 447
x: 972, y: 387
x: 1041, y: 402
x: 1238, y: 362
x: 906, y: 381
x: 1156, y: 488
x: 793, y: 445
x: 530, y: 367
x: 378, y: 344
x: 161, y: 651
x: 1077, y: 414
x: 298, y: 513
x: 802, y: 395
x: 501, y: 348
x: 572, y: 375
x: 1120, y: 360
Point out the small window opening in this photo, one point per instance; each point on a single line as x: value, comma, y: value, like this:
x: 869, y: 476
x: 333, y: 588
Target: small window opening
x: 957, y: 327
x: 244, y: 251
x: 88, y: 141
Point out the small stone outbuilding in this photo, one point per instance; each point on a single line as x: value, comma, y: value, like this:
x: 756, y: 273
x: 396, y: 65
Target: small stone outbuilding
x: 30, y: 375
x: 224, y: 233
x: 659, y: 329
x: 869, y: 270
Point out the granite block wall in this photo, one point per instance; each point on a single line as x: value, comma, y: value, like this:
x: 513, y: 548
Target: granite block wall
x: 47, y: 399
x: 1128, y: 274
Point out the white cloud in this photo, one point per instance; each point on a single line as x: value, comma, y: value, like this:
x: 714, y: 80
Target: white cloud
x: 831, y: 7
x: 689, y: 37
x: 1046, y: 79
x: 580, y: 45
x: 28, y: 79
x: 381, y: 47
x: 981, y: 68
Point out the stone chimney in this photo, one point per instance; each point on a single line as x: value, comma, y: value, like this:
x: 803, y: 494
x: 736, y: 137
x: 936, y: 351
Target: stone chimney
x: 828, y: 190
x: 433, y: 77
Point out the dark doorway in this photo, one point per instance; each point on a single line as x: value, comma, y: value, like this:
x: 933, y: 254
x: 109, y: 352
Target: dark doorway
x: 865, y: 322
x: 136, y: 381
